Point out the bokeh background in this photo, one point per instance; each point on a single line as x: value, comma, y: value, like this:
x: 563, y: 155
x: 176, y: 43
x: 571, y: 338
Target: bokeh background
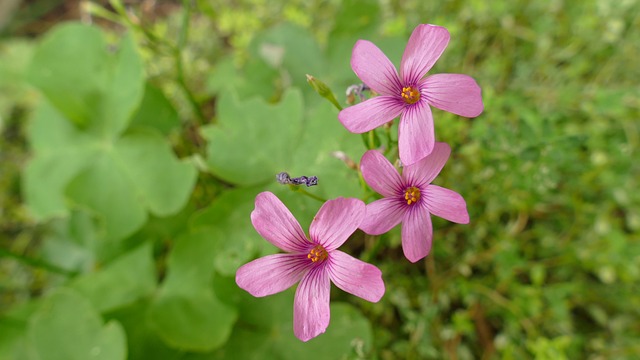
x: 134, y: 136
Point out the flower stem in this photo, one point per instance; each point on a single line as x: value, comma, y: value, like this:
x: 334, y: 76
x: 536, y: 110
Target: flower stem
x: 180, y: 77
x: 305, y: 192
x: 36, y: 263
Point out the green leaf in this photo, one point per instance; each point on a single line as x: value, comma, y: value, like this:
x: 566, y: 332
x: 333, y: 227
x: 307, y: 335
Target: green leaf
x: 119, y: 179
x: 253, y: 141
x: 323, y: 136
x: 72, y: 243
x: 256, y: 78
x: 125, y: 280
x: 195, y: 323
x: 293, y: 50
x: 66, y: 327
x: 156, y: 111
x: 143, y: 343
x: 187, y: 315
x: 90, y: 85
x: 267, y: 324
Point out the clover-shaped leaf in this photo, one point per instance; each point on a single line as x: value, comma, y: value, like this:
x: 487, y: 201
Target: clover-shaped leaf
x: 83, y: 155
x: 66, y: 327
x: 253, y: 140
x: 187, y: 314
x: 267, y: 324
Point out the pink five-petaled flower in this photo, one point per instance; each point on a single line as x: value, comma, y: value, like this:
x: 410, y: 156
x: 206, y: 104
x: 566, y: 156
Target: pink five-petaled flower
x: 409, y: 95
x: 410, y: 199
x: 314, y: 263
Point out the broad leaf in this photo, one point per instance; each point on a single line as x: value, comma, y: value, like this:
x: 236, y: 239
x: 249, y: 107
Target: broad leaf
x: 66, y: 327
x: 253, y: 141
x: 187, y: 314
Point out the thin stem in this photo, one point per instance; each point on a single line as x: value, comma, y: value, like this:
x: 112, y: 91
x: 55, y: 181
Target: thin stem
x: 372, y: 252
x: 305, y: 192
x: 182, y: 40
x: 36, y: 263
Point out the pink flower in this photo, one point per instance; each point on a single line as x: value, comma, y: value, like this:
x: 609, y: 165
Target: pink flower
x: 313, y: 263
x: 410, y: 199
x: 409, y: 95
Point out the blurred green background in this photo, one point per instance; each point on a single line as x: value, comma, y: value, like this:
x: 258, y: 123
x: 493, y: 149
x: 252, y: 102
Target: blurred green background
x: 133, y: 142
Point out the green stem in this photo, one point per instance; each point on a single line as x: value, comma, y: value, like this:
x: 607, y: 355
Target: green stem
x: 371, y: 253
x: 305, y: 192
x: 36, y: 263
x: 387, y: 131
x: 182, y: 40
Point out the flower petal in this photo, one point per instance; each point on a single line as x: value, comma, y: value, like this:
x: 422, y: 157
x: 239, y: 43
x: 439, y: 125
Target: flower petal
x: 382, y: 215
x: 371, y: 113
x: 274, y: 222
x: 415, y: 133
x: 446, y: 204
x: 355, y: 276
x: 311, y: 312
x: 426, y: 44
x: 335, y: 221
x: 424, y: 171
x: 455, y: 93
x: 271, y: 274
x: 375, y: 69
x: 378, y: 172
x: 417, y: 234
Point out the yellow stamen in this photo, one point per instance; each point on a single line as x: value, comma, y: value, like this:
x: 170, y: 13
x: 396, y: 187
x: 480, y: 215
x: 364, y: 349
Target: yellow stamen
x: 317, y: 254
x: 410, y: 95
x: 412, y: 195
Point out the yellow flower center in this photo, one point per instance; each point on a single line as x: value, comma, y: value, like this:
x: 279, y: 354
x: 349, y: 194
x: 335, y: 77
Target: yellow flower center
x: 412, y: 195
x: 317, y: 254
x: 410, y: 95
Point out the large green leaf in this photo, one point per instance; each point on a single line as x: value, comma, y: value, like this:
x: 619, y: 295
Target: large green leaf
x: 93, y: 87
x: 323, y: 137
x: 66, y: 327
x: 253, y: 141
x: 292, y: 50
x: 125, y: 280
x: 82, y: 154
x: 156, y: 111
x: 187, y: 314
x: 265, y: 331
x: 120, y: 179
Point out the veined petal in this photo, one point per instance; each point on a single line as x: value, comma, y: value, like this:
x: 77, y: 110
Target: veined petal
x: 417, y: 233
x: 371, y: 113
x: 335, y: 221
x: 274, y: 222
x: 374, y: 68
x: 382, y: 215
x: 424, y: 171
x: 415, y: 133
x: 355, y: 276
x: 271, y: 274
x: 446, y: 204
x: 455, y: 93
x: 378, y: 172
x: 426, y: 44
x: 311, y: 305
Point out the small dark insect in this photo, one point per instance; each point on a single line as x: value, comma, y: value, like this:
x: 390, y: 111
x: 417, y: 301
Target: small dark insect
x: 284, y: 179
x: 354, y: 90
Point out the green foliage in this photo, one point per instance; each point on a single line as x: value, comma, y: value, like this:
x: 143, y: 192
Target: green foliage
x: 67, y: 327
x: 104, y: 168
x: 121, y: 235
x: 186, y: 314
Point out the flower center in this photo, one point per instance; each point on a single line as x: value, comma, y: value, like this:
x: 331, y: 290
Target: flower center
x: 412, y: 195
x: 410, y: 95
x: 317, y: 254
